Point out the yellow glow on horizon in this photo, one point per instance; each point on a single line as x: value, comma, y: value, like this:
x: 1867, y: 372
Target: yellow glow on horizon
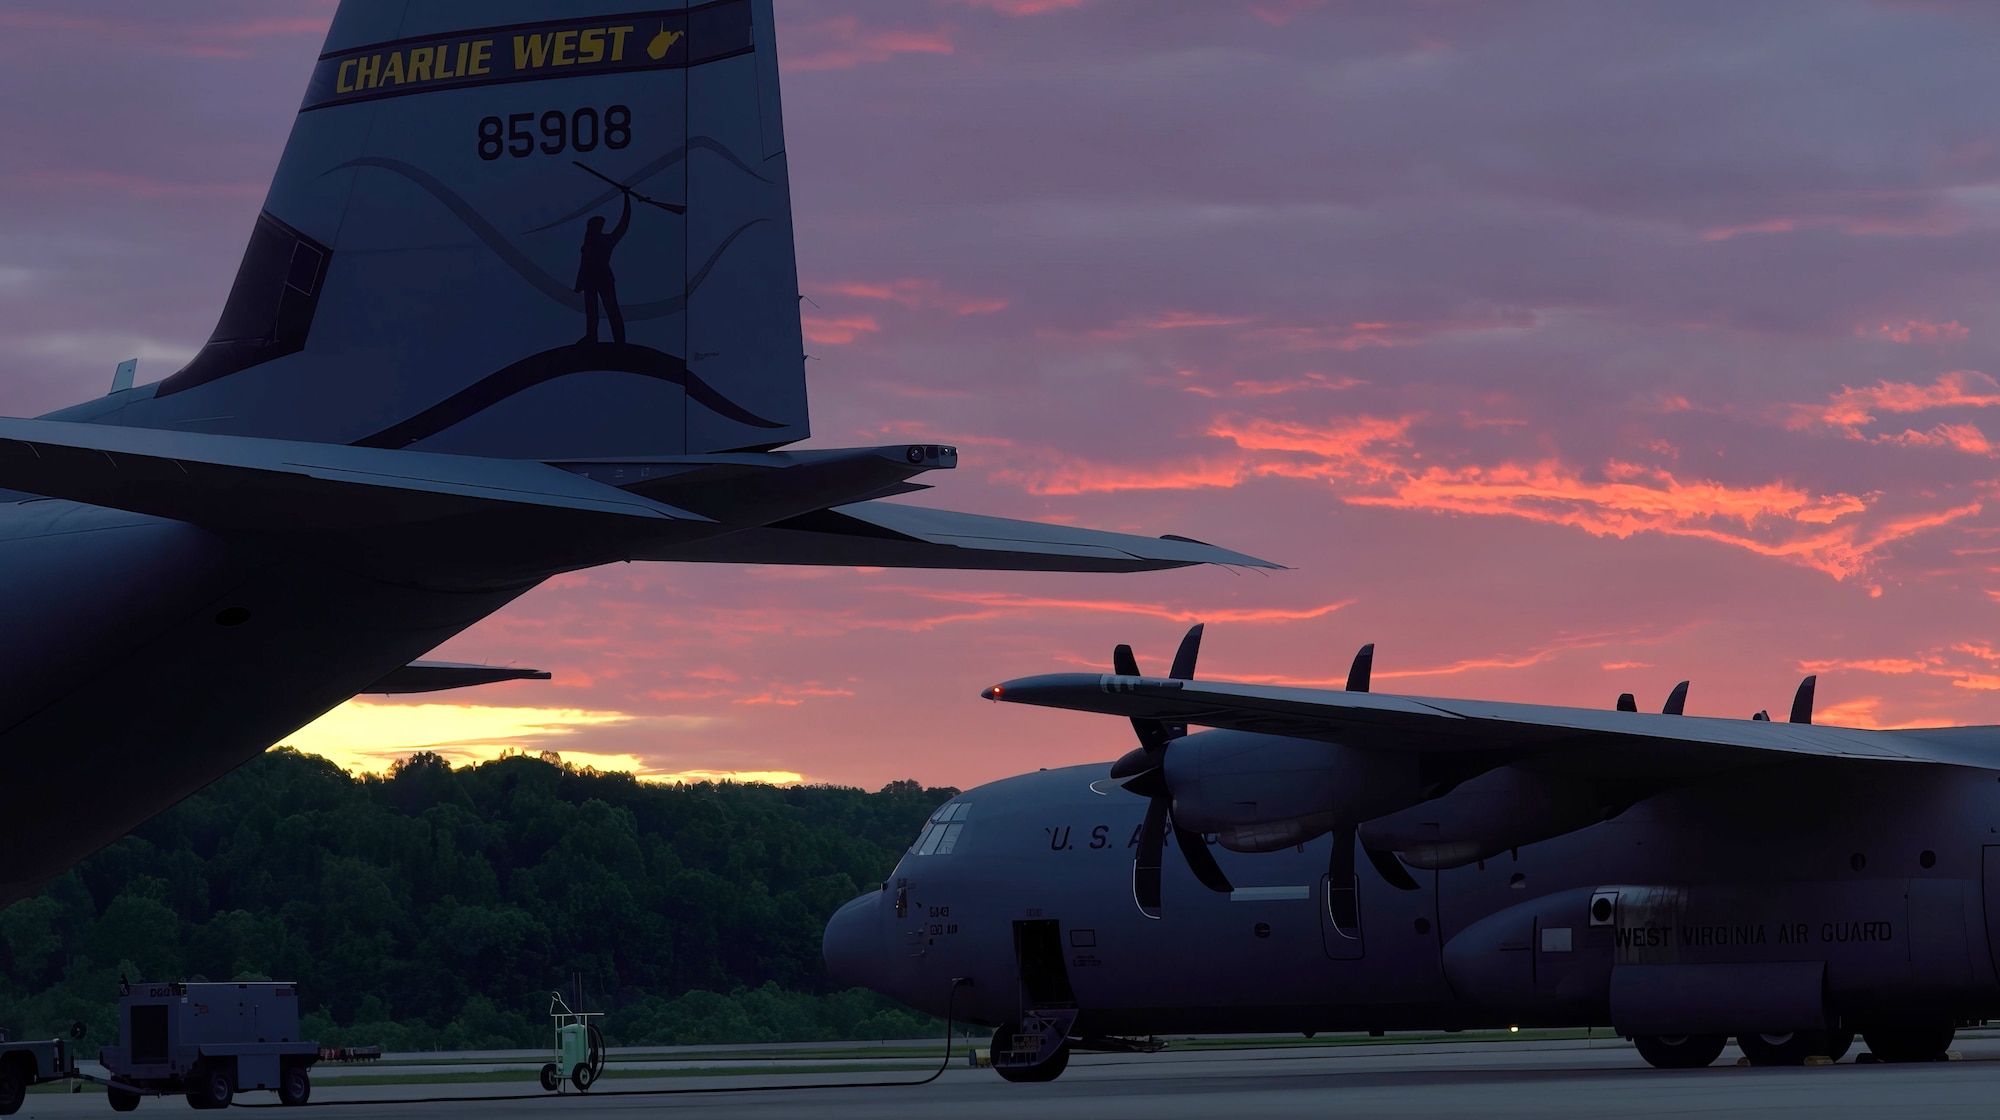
x: 363, y: 736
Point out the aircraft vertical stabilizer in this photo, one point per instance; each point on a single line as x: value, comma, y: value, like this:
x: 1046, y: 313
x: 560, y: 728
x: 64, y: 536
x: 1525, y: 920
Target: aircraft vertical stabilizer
x: 521, y: 229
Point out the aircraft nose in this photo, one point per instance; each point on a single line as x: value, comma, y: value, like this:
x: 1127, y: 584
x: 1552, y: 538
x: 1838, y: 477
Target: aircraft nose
x: 854, y: 946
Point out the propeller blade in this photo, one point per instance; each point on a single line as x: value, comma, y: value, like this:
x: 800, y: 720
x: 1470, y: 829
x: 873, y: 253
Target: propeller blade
x: 1391, y: 869
x: 1146, y: 865
x: 1363, y: 667
x: 1802, y: 702
x: 1153, y: 735
x: 1626, y: 703
x: 1341, y: 904
x: 1123, y: 663
x: 1184, y: 657
x: 1676, y: 700
x: 1202, y: 861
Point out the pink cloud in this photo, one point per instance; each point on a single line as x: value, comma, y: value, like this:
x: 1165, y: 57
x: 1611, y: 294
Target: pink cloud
x: 837, y: 331
x: 1852, y: 407
x: 1917, y: 330
x: 1018, y: 8
x: 918, y: 293
x: 840, y: 42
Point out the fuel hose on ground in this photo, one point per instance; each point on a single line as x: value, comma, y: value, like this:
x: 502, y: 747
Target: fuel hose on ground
x: 597, y: 1051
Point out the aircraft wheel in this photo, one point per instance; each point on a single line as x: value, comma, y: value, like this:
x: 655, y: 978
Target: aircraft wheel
x: 1680, y: 1051
x: 1046, y: 1071
x: 1791, y: 1049
x: 294, y: 1086
x: 551, y: 1077
x: 1909, y: 1044
x: 121, y: 1100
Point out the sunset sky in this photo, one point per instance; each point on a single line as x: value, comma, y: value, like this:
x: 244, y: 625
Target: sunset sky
x: 1561, y: 349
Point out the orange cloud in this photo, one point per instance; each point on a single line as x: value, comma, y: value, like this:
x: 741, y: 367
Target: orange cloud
x: 1001, y: 601
x: 1274, y: 388
x: 1852, y: 407
x: 1917, y: 330
x: 840, y: 42
x: 1018, y: 8
x: 1892, y: 665
x: 919, y: 293
x: 1960, y: 437
x: 1175, y: 320
x: 835, y: 332
x: 1083, y: 477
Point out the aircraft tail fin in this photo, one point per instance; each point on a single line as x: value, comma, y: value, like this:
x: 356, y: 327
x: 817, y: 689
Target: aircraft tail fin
x: 532, y: 229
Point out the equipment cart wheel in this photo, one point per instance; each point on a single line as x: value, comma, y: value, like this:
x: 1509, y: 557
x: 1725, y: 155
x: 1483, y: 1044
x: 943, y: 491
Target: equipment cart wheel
x: 581, y: 1077
x: 551, y: 1077
x: 294, y: 1086
x: 210, y: 1086
x: 14, y: 1080
x: 13, y: 1086
x: 122, y: 1100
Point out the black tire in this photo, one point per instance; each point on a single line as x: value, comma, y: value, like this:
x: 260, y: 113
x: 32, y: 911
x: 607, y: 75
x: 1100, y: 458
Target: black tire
x: 551, y: 1077
x: 581, y: 1077
x: 13, y: 1086
x: 1791, y: 1049
x: 121, y: 1100
x: 1046, y: 1071
x: 1680, y: 1051
x: 210, y: 1085
x: 1909, y: 1044
x: 294, y: 1085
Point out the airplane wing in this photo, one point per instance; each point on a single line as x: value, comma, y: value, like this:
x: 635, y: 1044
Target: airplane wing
x: 1379, y: 721
x: 877, y: 534
x: 438, y: 676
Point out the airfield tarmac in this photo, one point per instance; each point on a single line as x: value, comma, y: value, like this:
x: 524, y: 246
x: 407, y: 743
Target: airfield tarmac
x: 1500, y: 1079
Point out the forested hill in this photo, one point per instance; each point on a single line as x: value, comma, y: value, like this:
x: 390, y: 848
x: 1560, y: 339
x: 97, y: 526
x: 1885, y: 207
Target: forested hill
x: 437, y: 907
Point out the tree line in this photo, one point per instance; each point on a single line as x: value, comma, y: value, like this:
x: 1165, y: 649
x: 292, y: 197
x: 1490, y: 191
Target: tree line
x: 436, y: 908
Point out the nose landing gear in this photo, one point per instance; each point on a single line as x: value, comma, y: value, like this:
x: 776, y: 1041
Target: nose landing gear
x: 1036, y: 1048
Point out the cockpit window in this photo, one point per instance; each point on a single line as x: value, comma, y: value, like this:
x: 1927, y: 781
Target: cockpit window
x: 940, y: 834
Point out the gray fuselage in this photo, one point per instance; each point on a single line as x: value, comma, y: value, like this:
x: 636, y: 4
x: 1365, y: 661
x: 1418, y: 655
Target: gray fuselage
x: 1862, y: 885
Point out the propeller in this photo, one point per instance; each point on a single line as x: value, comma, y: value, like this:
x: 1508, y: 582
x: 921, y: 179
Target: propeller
x: 1676, y: 700
x: 1364, y: 665
x: 1802, y: 701
x: 1143, y: 771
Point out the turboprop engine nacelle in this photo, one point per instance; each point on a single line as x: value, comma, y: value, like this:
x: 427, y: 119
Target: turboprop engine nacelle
x: 1260, y: 793
x: 1505, y: 808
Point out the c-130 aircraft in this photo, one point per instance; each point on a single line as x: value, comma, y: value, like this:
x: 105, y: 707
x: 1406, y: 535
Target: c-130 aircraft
x: 438, y: 380
x: 1681, y: 879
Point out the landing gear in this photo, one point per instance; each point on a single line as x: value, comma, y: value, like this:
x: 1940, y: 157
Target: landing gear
x: 1908, y: 1044
x: 1794, y: 1048
x: 1015, y: 1053
x: 1680, y: 1051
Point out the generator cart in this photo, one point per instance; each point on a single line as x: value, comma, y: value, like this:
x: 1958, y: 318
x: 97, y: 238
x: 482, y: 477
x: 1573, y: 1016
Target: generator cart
x: 30, y: 1063
x: 209, y: 1041
x: 579, y: 1047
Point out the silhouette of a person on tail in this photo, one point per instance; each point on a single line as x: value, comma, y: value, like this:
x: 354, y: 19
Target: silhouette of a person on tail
x: 594, y: 278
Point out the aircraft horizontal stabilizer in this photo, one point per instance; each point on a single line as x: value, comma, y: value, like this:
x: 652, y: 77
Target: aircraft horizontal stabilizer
x: 438, y: 676
x: 268, y: 486
x: 884, y: 535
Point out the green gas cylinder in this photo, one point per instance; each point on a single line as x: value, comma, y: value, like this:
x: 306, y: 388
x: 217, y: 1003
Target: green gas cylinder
x: 573, y: 1040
